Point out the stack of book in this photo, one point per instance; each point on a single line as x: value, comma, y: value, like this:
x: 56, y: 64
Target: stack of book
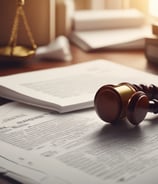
x: 151, y: 45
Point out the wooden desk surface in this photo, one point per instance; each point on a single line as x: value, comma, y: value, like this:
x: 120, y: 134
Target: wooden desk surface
x: 135, y: 59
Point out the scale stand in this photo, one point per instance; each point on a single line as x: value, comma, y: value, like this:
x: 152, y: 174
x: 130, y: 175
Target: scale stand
x: 13, y: 51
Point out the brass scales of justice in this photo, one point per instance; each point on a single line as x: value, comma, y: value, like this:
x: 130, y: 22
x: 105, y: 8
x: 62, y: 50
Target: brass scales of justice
x: 13, y: 51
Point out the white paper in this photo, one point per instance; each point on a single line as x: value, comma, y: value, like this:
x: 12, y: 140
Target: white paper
x: 68, y: 88
x: 84, y: 20
x: 14, y: 170
x: 127, y: 38
x: 78, y: 147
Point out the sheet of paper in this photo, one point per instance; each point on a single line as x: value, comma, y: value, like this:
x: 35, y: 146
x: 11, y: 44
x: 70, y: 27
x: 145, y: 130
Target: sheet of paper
x: 78, y: 147
x: 24, y: 174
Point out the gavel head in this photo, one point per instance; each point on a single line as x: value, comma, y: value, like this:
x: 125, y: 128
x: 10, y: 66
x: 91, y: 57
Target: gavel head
x: 113, y: 103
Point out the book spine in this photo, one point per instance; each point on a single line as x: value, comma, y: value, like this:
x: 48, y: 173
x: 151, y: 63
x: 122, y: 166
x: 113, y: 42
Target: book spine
x: 95, y: 5
x: 151, y: 49
x: 142, y: 5
x: 52, y: 20
x: 155, y: 29
x: 125, y: 4
x: 113, y: 4
x: 64, y: 14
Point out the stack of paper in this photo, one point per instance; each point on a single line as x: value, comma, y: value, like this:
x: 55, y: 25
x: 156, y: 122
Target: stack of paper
x: 68, y: 88
x: 107, y: 19
x: 39, y: 146
x: 109, y: 29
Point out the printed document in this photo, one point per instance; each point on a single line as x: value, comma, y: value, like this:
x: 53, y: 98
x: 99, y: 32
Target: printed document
x: 77, y: 147
x: 70, y: 88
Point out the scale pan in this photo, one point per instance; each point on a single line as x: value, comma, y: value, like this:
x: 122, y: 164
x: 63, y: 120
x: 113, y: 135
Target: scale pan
x: 18, y: 53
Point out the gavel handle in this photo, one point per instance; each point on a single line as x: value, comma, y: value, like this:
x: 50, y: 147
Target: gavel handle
x: 151, y: 91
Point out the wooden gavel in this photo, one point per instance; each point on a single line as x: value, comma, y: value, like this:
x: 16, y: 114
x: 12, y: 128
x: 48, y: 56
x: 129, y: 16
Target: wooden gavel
x: 131, y: 101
